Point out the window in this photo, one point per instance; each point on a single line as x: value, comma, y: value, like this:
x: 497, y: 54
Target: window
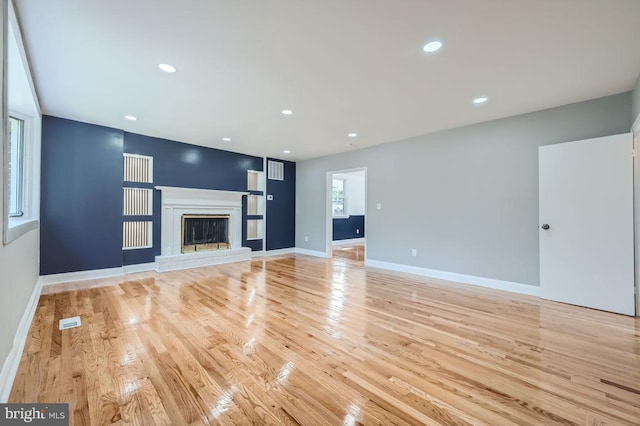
x: 16, y: 167
x: 338, y: 197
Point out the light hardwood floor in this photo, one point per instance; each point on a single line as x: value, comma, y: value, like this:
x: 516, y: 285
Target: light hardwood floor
x: 353, y: 252
x: 296, y: 339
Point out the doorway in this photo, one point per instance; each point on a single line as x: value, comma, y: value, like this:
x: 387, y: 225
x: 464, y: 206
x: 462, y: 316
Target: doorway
x: 346, y: 214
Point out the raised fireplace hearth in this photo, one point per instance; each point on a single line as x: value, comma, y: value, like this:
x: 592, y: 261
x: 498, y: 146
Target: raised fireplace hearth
x: 200, y: 227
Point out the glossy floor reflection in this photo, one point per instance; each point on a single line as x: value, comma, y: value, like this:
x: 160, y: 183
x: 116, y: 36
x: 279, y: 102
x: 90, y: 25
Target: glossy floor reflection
x: 296, y: 339
x: 351, y: 252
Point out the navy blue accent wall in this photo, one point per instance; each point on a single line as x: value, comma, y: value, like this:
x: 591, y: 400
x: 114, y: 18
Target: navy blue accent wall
x: 344, y: 229
x: 281, y: 211
x: 188, y: 166
x: 81, y: 197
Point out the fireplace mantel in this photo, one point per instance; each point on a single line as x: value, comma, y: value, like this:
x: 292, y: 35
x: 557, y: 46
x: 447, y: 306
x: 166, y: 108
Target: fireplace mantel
x: 180, y: 201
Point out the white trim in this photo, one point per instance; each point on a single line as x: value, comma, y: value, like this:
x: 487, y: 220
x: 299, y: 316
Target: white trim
x: 311, y: 252
x: 635, y: 128
x: 11, y: 363
x: 531, y: 290
x: 19, y: 227
x: 348, y: 241
x: 279, y: 252
x: 80, y: 276
x: 140, y: 267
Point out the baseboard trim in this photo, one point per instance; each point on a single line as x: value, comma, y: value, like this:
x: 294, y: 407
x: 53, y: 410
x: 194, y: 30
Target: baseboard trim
x: 278, y: 252
x: 140, y: 267
x: 68, y: 277
x: 12, y: 362
x: 311, y: 252
x: 347, y: 242
x: 513, y: 287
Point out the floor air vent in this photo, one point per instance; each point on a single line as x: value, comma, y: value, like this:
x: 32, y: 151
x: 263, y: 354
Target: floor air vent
x: 69, y: 323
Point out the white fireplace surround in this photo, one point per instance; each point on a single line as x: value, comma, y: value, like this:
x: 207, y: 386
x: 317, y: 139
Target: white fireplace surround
x: 177, y: 202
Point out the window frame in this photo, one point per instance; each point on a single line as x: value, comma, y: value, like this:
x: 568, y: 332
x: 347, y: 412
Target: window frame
x: 14, y: 227
x: 22, y: 164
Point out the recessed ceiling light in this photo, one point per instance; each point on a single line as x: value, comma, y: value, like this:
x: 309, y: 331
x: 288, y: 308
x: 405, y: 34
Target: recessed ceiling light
x: 480, y: 100
x: 226, y: 139
x: 130, y: 117
x: 167, y: 68
x: 287, y: 112
x: 352, y: 135
x: 432, y: 46
x: 286, y: 151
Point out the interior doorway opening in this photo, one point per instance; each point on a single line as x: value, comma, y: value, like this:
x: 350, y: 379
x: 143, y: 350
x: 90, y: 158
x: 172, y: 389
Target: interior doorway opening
x: 346, y: 229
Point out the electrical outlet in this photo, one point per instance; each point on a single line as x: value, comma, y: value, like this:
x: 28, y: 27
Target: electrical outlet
x: 306, y: 238
x: 357, y: 231
x: 414, y: 252
x: 269, y: 197
x: 379, y: 206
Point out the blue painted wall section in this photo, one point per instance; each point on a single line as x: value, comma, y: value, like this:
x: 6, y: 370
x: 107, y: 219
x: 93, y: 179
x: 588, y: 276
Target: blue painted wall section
x: 188, y: 166
x: 81, y: 201
x: 281, y: 211
x: 81, y: 197
x: 346, y: 228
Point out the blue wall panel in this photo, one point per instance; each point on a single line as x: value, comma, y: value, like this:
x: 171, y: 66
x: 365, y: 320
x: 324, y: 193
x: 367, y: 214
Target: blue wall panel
x: 81, y: 201
x: 188, y: 166
x: 81, y: 197
x: 347, y: 228
x: 281, y: 211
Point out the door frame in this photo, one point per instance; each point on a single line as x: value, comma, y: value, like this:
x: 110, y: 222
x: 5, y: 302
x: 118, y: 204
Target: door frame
x: 329, y: 210
x: 635, y: 129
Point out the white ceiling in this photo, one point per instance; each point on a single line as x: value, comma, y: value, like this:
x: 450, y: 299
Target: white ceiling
x: 341, y: 65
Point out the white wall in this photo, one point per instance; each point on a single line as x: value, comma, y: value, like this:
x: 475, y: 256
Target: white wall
x: 19, y: 260
x: 465, y: 198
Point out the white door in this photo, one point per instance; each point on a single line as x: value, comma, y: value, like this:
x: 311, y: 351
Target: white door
x: 586, y: 223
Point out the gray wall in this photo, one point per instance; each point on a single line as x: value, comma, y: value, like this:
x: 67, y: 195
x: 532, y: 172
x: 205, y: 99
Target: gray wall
x: 466, y: 198
x: 635, y: 108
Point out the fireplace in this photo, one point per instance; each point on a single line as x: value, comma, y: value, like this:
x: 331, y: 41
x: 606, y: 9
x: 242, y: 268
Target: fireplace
x: 204, y: 232
x: 204, y: 246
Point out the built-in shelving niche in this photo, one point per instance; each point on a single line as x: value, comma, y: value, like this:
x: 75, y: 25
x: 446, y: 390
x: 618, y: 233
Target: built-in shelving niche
x: 137, y: 202
x: 255, y: 206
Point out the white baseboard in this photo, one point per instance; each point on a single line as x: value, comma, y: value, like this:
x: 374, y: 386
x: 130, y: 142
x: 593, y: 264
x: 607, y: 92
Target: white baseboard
x: 348, y: 242
x: 140, y: 267
x: 68, y: 277
x: 278, y: 252
x: 531, y: 290
x: 311, y: 252
x: 11, y: 363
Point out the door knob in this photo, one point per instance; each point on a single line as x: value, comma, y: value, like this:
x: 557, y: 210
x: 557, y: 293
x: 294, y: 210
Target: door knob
x: 545, y: 226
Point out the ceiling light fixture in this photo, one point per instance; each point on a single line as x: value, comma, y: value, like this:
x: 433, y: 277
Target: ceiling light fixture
x: 226, y: 139
x: 480, y: 100
x: 352, y: 135
x: 167, y: 68
x: 130, y: 117
x: 287, y: 112
x: 286, y: 151
x: 432, y: 46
